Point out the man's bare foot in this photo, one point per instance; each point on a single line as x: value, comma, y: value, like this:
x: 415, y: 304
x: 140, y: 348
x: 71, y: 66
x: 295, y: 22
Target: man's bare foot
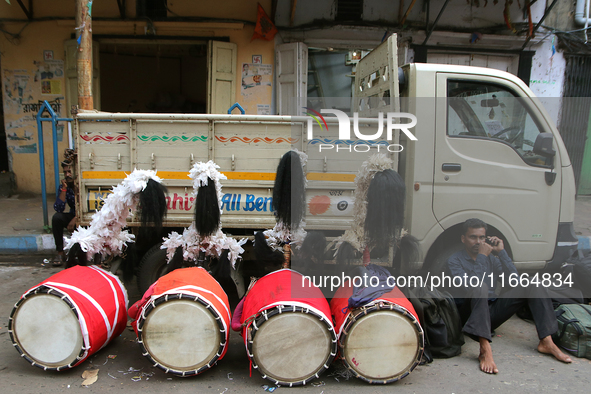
x: 487, y: 364
x: 547, y: 346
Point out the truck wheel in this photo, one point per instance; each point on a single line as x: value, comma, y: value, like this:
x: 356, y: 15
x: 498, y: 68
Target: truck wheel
x: 439, y: 265
x: 152, y: 267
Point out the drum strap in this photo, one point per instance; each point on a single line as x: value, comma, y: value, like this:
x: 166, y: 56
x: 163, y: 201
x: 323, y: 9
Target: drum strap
x: 249, y: 320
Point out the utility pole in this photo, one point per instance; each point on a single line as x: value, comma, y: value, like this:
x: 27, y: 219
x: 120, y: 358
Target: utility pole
x: 84, y: 54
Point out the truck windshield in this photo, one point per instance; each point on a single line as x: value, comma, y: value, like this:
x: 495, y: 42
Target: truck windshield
x: 492, y: 112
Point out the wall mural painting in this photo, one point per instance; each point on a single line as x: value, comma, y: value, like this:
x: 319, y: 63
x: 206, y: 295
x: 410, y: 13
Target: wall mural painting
x: 24, y: 91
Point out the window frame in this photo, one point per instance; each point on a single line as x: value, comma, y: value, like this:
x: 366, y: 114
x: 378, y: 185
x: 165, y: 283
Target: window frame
x: 502, y: 87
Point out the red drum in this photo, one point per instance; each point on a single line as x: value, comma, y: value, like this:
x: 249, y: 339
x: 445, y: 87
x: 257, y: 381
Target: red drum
x: 381, y: 342
x: 183, y: 322
x: 65, y: 319
x: 288, y: 331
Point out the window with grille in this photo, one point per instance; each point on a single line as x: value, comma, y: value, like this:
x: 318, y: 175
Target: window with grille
x: 349, y: 10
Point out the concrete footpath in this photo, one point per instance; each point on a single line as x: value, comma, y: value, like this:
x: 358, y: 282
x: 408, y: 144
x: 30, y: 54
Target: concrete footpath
x: 22, y: 222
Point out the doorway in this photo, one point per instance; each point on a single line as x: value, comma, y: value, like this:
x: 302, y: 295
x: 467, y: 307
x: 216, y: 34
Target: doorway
x: 156, y: 76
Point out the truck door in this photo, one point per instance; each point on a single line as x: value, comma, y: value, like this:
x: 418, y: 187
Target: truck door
x: 485, y: 166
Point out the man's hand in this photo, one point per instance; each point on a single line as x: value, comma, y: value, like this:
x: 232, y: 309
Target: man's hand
x: 484, y: 248
x: 63, y: 184
x: 497, y: 244
x: 72, y: 225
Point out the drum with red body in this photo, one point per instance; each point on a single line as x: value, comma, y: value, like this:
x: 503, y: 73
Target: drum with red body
x: 66, y: 318
x: 183, y: 321
x: 381, y: 342
x: 287, y: 329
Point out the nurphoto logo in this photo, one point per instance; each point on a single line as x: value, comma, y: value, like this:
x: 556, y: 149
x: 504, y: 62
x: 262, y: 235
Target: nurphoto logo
x: 360, y: 142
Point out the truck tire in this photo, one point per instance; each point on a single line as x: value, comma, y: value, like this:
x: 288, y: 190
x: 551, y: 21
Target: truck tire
x: 439, y: 264
x: 152, y: 267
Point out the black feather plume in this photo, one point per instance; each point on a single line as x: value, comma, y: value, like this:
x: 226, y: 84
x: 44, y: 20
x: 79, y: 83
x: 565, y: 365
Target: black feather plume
x: 289, y: 193
x: 268, y: 259
x: 130, y: 263
x: 310, y: 255
x: 313, y: 246
x: 385, y: 207
x: 207, y: 209
x: 221, y: 268
x: 407, y: 251
x: 347, y: 254
x: 153, y: 204
x: 76, y: 256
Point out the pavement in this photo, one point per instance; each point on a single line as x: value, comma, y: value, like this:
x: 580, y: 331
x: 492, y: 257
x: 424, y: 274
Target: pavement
x: 22, y: 223
x: 122, y: 368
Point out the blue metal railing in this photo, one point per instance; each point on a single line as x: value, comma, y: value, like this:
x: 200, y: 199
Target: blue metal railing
x: 53, y: 119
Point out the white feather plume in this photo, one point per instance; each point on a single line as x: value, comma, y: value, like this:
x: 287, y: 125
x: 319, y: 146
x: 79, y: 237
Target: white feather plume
x: 105, y: 235
x: 190, y: 240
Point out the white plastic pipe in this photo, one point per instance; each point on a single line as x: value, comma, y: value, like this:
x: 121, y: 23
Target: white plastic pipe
x: 586, y: 20
x: 582, y: 17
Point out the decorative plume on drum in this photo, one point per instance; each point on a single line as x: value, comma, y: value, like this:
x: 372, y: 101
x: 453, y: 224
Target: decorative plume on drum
x: 379, y: 220
x: 273, y: 247
x: 289, y: 196
x: 205, y: 234
x: 105, y: 235
x: 363, y: 313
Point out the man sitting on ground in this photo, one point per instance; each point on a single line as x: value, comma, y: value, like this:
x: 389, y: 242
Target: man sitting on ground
x: 62, y: 219
x: 481, y: 309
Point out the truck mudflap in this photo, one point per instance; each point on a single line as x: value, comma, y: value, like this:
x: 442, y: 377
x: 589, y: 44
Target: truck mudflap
x: 566, y: 244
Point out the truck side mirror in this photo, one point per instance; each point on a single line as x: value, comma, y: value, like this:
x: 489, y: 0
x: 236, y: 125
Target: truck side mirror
x: 543, y: 145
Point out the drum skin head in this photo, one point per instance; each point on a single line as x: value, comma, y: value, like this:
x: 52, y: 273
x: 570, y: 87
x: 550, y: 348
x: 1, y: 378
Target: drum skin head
x: 292, y: 347
x: 47, y: 330
x: 382, y: 346
x: 182, y: 335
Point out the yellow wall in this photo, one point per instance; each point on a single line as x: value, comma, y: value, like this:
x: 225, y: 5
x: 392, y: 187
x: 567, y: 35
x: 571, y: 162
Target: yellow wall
x: 23, y: 65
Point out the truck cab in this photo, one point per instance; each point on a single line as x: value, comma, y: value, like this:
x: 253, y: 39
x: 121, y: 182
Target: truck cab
x: 487, y: 148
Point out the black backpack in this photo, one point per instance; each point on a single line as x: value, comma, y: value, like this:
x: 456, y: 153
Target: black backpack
x: 582, y: 273
x: 440, y: 320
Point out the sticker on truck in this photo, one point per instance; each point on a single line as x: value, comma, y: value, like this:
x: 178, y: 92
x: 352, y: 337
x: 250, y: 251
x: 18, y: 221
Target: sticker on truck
x: 330, y: 202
